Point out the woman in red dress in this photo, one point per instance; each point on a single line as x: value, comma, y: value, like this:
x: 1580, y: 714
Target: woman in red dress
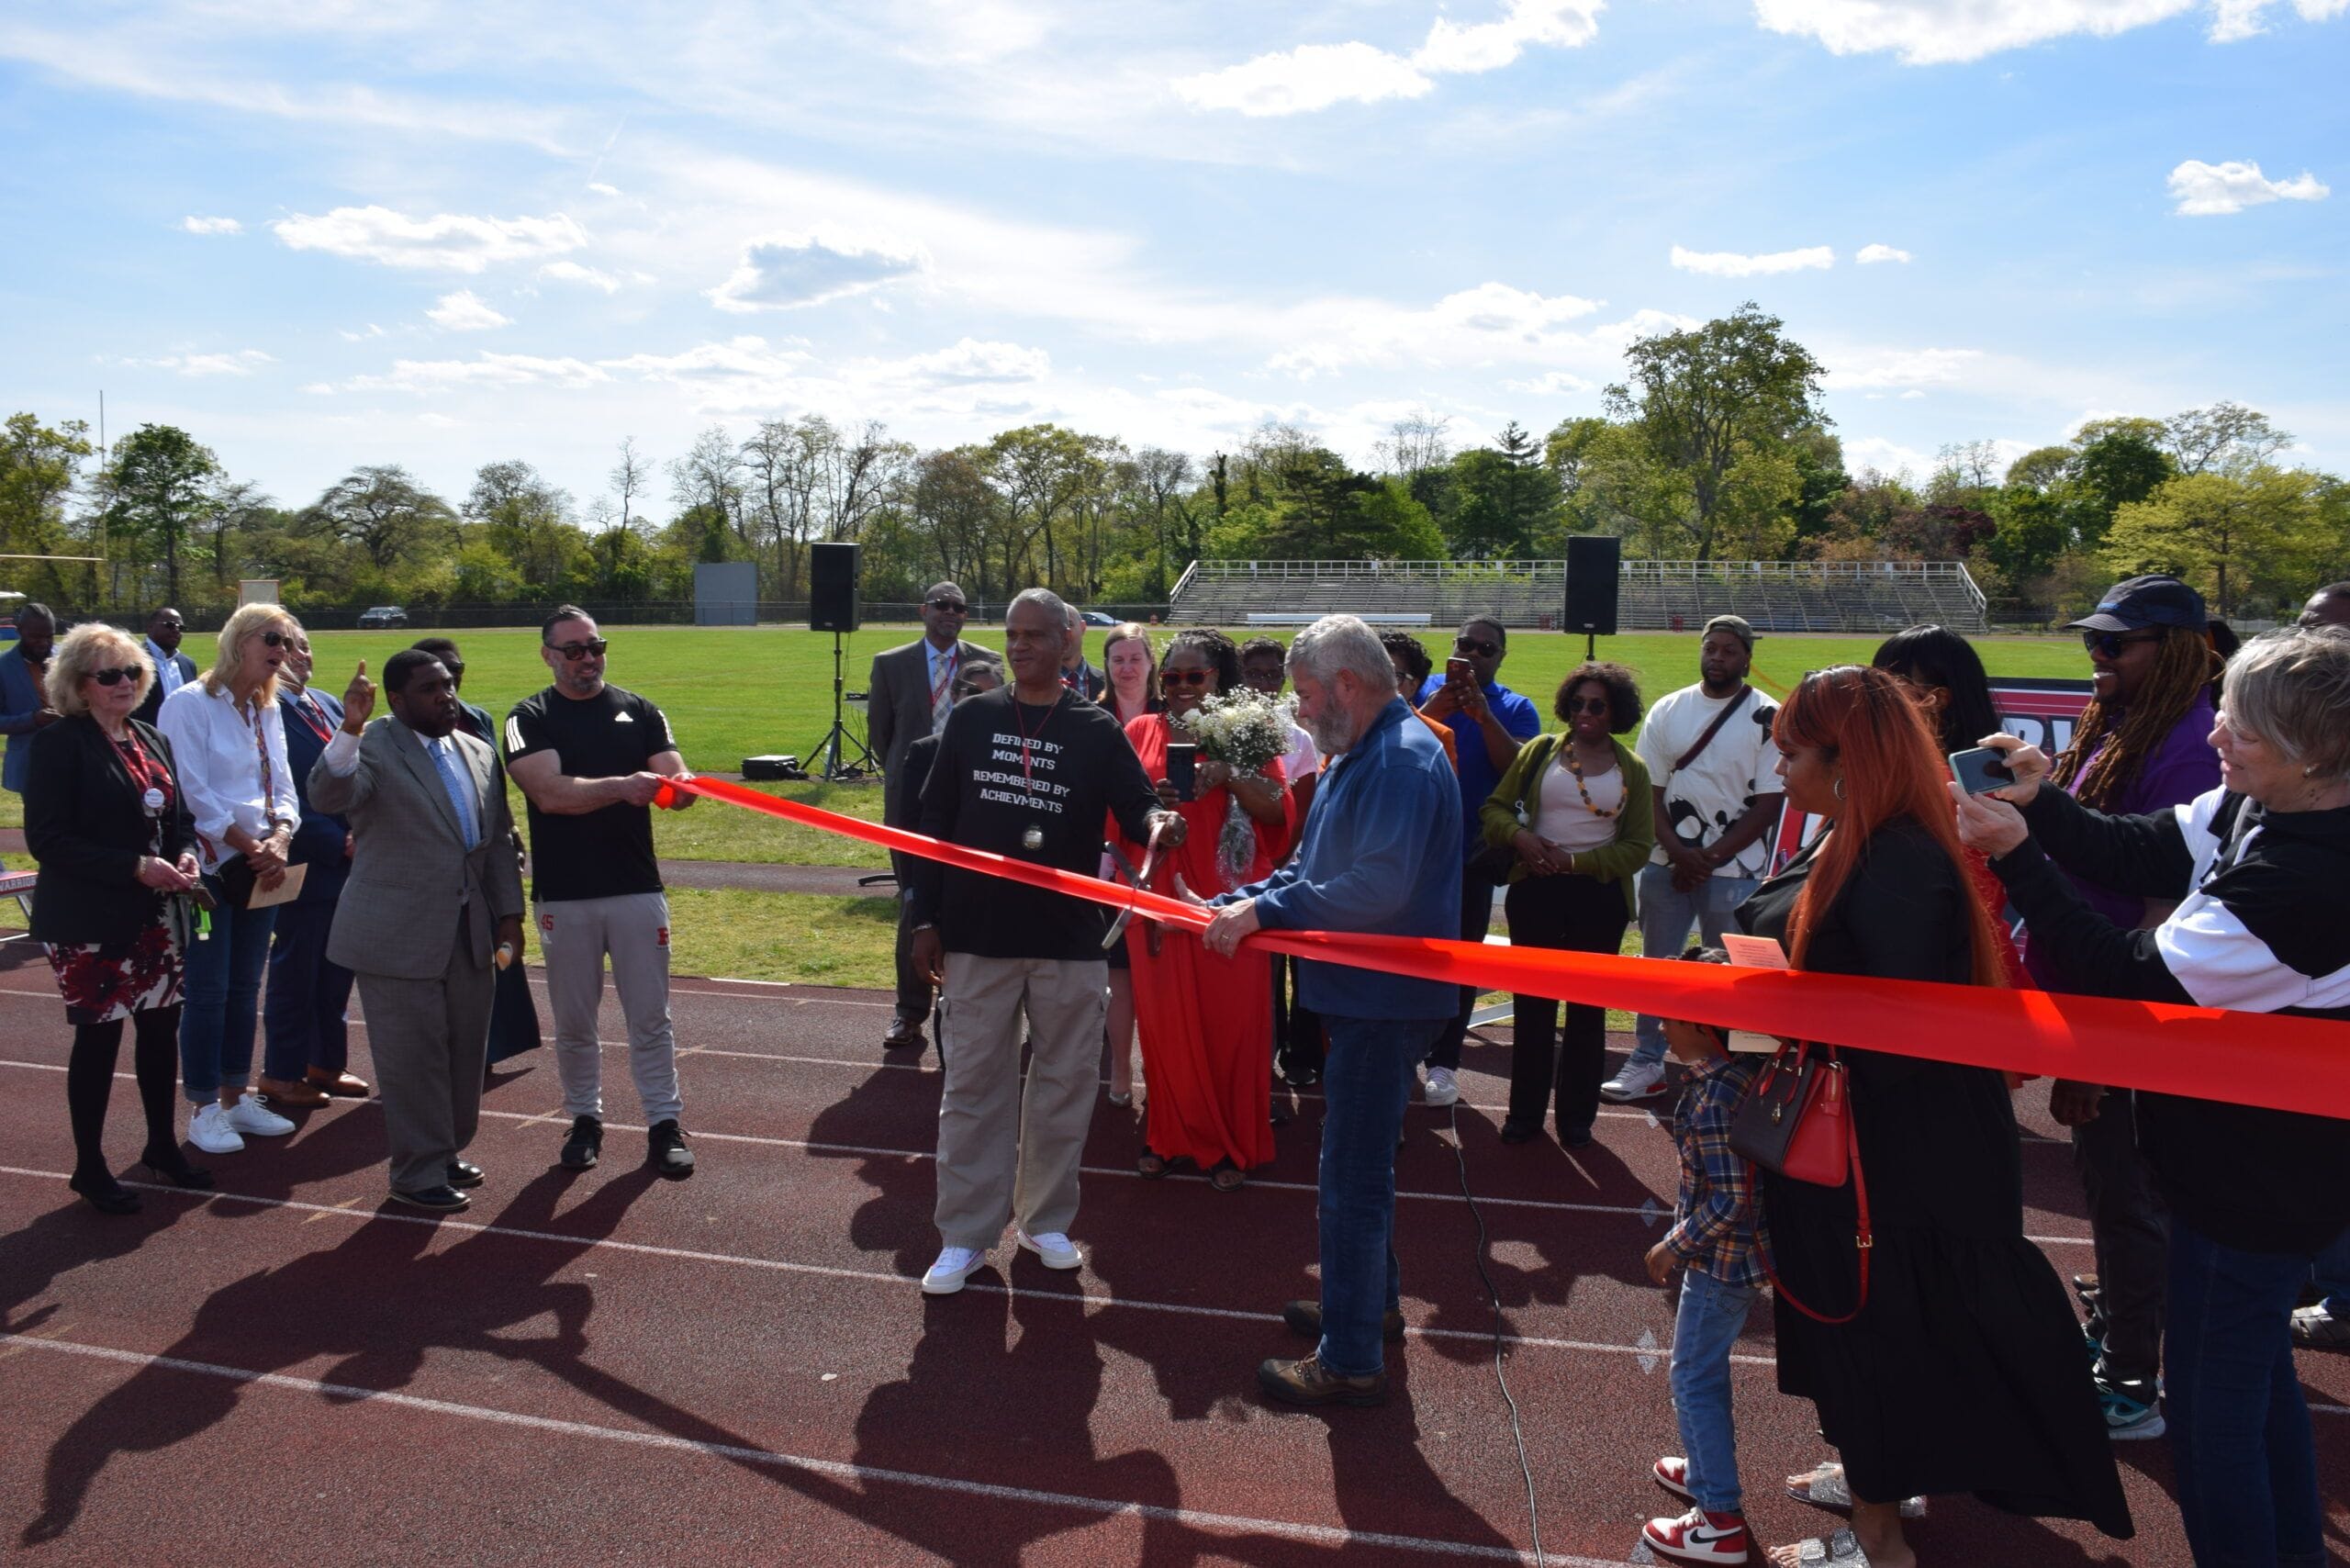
x: 1206, y: 1022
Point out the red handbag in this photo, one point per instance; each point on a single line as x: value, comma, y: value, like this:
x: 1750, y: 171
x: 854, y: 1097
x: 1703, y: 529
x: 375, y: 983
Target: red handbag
x: 1796, y: 1122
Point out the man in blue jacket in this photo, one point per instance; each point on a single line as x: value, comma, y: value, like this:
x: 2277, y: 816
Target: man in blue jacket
x: 23, y: 706
x: 1382, y: 854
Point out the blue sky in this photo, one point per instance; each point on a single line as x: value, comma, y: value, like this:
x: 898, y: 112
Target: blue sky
x: 324, y: 232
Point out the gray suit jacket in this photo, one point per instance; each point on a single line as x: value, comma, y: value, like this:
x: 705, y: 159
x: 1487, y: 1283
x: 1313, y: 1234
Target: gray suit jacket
x: 410, y: 873
x: 897, y: 705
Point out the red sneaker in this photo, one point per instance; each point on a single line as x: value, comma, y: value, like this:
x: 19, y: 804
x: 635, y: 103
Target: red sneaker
x: 1671, y: 1472
x: 1699, y: 1537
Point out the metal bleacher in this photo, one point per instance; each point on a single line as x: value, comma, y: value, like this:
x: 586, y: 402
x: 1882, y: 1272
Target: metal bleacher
x: 1652, y: 595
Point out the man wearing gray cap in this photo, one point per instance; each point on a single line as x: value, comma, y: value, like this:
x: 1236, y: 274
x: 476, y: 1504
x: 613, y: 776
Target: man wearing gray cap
x: 910, y: 693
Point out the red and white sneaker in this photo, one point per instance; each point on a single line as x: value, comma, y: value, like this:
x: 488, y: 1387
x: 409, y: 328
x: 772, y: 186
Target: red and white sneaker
x: 1671, y: 1472
x: 1699, y: 1537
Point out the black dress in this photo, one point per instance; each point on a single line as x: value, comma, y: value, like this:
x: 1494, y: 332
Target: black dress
x: 1964, y: 1370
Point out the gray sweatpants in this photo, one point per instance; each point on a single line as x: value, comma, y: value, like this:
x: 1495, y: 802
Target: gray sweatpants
x: 575, y: 936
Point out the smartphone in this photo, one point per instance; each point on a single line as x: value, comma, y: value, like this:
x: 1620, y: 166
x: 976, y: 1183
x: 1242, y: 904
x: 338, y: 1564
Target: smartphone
x: 1458, y: 673
x: 1182, y: 768
x: 1981, y: 770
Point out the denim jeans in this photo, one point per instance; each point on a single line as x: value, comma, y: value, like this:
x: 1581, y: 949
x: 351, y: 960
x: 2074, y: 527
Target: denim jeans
x: 2332, y: 1275
x: 1703, y: 1328
x: 1366, y: 1081
x: 1666, y: 915
x: 2239, y: 1428
x: 220, y: 998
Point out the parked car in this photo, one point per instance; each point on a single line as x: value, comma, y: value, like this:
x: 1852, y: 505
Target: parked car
x: 1096, y: 618
x: 380, y: 615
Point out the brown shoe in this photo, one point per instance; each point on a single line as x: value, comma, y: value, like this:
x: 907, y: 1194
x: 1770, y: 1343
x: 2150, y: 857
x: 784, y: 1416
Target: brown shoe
x: 1310, y: 1383
x: 1305, y: 1317
x: 339, y: 1085
x: 300, y: 1092
x: 905, y: 1035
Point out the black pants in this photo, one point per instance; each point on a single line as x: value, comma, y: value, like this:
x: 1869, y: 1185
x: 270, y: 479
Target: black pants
x: 2131, y: 1226
x: 89, y: 1082
x: 1580, y: 915
x: 913, y: 986
x: 1476, y: 919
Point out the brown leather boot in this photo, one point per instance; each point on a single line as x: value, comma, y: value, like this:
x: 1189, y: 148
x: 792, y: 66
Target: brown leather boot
x: 1308, y: 1382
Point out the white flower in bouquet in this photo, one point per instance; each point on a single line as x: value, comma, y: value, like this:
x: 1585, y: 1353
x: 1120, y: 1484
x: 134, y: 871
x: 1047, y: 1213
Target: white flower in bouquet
x: 1246, y: 731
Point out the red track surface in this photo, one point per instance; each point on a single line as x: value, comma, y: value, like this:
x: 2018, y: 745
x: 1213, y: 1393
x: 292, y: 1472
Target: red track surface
x: 611, y: 1367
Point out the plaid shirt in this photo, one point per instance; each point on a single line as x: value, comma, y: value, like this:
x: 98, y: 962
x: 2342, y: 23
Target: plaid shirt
x: 1717, y: 1224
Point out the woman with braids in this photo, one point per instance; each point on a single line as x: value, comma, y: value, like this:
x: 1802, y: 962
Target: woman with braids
x: 1206, y: 1022
x: 1943, y: 1358
x: 2142, y: 747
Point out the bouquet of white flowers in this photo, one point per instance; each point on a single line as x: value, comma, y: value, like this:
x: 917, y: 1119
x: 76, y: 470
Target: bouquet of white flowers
x: 1246, y: 731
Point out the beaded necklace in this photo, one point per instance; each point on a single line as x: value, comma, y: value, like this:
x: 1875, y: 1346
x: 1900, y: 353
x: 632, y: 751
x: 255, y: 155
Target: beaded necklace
x: 1574, y: 765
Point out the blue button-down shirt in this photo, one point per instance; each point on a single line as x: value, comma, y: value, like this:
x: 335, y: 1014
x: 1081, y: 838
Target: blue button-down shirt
x: 1380, y: 855
x: 1478, y: 776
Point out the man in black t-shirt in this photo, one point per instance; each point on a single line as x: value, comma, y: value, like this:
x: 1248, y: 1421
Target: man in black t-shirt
x: 1030, y: 773
x: 590, y: 758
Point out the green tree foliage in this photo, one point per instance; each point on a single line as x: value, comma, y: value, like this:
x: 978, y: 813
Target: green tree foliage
x: 1503, y: 499
x: 385, y: 514
x: 40, y: 465
x: 161, y: 487
x: 2255, y: 535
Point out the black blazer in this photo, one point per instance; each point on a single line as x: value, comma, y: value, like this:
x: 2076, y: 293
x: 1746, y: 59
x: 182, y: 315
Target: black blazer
x: 153, y: 703
x: 86, y: 828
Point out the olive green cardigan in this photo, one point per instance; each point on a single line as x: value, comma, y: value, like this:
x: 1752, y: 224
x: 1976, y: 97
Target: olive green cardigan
x: 1620, y: 861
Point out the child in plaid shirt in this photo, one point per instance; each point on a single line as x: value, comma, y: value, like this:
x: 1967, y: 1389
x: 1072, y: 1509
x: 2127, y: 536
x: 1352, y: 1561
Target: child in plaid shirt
x: 1718, y: 1242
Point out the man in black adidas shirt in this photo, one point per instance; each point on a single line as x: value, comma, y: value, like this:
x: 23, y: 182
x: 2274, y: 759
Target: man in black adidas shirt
x: 1031, y: 773
x: 590, y: 758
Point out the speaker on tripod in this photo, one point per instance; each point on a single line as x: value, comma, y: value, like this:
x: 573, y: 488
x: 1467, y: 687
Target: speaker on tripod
x: 1594, y: 573
x: 833, y: 607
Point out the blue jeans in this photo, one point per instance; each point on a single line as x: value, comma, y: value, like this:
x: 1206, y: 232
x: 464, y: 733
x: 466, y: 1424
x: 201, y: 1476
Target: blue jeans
x: 1366, y: 1081
x: 220, y: 996
x: 2239, y: 1428
x: 1703, y: 1328
x: 2332, y: 1275
x: 1666, y: 915
x: 305, y: 1013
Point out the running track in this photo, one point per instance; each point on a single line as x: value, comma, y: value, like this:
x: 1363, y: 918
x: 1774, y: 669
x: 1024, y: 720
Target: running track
x: 615, y: 1368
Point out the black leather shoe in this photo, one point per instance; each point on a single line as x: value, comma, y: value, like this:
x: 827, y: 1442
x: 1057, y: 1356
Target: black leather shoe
x: 105, y: 1194
x: 586, y: 1143
x: 1310, y: 1383
x: 166, y: 1161
x: 1574, y: 1138
x: 440, y: 1200
x: 905, y: 1035
x: 1515, y: 1131
x: 463, y: 1174
x: 665, y: 1147
x: 1305, y: 1317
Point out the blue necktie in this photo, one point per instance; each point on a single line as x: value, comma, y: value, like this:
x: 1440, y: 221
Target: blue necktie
x: 461, y: 790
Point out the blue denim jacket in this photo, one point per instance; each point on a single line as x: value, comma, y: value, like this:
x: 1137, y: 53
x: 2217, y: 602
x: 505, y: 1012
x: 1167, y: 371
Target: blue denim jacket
x: 1382, y: 854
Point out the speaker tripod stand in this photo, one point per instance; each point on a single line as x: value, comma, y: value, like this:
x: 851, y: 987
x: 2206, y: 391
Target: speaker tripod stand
x: 840, y: 741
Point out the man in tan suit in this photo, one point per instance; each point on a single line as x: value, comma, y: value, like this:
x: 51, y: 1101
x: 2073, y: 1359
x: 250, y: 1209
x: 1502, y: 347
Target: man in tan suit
x: 912, y: 689
x: 433, y: 896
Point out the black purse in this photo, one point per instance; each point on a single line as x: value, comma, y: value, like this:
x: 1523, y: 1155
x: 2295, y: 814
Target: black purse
x: 236, y: 878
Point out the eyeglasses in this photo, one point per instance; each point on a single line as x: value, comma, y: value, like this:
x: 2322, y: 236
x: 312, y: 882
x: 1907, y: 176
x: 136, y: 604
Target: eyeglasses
x: 275, y: 639
x: 1186, y: 677
x: 951, y: 606
x: 1585, y: 704
x: 116, y: 677
x: 2111, y: 643
x: 578, y: 651
x: 1476, y: 646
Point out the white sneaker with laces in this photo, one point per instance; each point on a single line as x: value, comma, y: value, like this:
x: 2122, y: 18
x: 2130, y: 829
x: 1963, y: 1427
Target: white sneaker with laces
x: 955, y: 1265
x: 1053, y: 1250
x: 1638, y: 1080
x: 209, y: 1129
x: 1442, y: 1088
x: 250, y: 1115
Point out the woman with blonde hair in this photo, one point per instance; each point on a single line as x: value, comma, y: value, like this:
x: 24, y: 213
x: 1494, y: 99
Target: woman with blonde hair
x: 228, y: 737
x: 109, y: 823
x: 1133, y: 693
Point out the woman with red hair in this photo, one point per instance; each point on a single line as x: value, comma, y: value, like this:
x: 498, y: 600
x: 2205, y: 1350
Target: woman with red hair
x: 1957, y: 1366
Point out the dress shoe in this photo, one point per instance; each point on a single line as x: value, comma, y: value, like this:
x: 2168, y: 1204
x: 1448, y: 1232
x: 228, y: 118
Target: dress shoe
x: 105, y: 1194
x: 300, y: 1092
x: 1308, y: 1382
x: 166, y: 1161
x: 1515, y: 1131
x: 1305, y: 1317
x: 340, y: 1085
x: 905, y: 1035
x: 463, y: 1173
x: 440, y: 1200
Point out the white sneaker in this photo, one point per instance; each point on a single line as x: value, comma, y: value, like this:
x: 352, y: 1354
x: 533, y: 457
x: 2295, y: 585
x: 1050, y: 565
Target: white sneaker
x: 209, y: 1129
x: 1442, y: 1088
x: 1054, y: 1250
x: 1638, y: 1080
x: 249, y: 1114
x: 955, y: 1265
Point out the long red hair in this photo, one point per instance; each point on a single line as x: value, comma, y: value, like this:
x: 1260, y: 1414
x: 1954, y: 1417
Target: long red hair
x: 1865, y: 718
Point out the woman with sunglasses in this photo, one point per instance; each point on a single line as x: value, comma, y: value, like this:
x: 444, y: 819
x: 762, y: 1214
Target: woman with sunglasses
x: 1577, y: 810
x: 109, y: 823
x: 229, y: 736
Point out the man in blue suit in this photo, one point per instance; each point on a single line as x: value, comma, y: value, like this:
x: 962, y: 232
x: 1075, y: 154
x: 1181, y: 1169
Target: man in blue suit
x: 23, y: 707
x: 306, y: 1039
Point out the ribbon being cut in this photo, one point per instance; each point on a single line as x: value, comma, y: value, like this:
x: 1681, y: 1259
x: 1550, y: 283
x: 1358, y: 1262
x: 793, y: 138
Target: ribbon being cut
x: 2285, y: 1063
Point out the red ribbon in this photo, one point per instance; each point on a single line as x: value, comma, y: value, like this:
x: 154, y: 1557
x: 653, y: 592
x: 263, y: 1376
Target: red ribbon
x: 2251, y: 1059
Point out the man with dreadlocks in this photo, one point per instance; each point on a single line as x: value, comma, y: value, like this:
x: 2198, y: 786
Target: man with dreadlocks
x: 2143, y: 746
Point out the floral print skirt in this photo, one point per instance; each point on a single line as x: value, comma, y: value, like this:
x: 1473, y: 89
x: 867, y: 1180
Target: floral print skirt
x: 106, y: 980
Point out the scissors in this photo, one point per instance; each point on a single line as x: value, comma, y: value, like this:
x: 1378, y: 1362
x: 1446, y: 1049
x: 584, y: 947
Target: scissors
x: 1140, y: 881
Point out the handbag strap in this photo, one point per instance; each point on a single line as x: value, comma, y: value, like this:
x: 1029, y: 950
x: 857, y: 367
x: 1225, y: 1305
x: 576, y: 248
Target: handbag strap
x: 1863, y: 1240
x: 1733, y: 706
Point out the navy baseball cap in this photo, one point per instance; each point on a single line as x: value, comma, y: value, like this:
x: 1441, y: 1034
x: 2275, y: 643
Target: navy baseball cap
x: 2141, y: 602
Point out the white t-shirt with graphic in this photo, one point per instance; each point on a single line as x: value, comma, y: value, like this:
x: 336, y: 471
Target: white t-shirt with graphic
x: 1702, y: 801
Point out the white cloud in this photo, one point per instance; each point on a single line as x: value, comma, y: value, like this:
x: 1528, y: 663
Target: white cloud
x: 1317, y: 76
x: 589, y: 277
x: 1889, y: 458
x: 1872, y: 254
x: 1902, y: 367
x: 243, y: 362
x: 1554, y: 384
x: 349, y: 336
x: 1473, y: 326
x: 483, y: 370
x: 1943, y: 32
x: 464, y: 312
x: 2234, y: 19
x: 1730, y: 264
x: 970, y: 360
x: 450, y: 241
x: 600, y: 188
x: 2206, y: 190
x: 791, y: 270
x: 196, y: 224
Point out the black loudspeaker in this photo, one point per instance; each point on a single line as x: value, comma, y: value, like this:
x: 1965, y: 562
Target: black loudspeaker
x: 832, y: 587
x: 1592, y: 574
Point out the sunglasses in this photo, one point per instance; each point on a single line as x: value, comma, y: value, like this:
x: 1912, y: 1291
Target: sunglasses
x: 951, y: 606
x: 2111, y: 643
x: 116, y: 677
x: 578, y: 651
x: 1586, y: 704
x: 1476, y: 646
x: 276, y: 640
x: 1186, y: 677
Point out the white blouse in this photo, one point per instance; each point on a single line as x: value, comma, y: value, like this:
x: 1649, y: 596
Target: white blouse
x: 1559, y: 814
x: 218, y: 753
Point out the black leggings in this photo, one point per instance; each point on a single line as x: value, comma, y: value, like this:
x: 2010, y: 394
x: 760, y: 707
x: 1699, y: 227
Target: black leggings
x: 1583, y: 915
x: 89, y: 1082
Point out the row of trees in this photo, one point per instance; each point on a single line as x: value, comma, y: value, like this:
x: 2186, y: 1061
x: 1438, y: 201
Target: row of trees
x: 1714, y: 445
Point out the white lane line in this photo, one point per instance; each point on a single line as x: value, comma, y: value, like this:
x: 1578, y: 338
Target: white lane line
x: 841, y: 1469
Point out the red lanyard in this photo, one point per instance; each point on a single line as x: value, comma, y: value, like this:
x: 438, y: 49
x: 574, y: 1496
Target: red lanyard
x: 268, y: 779
x: 313, y: 716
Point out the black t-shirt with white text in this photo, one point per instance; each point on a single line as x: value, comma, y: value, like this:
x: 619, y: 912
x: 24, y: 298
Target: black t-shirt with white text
x: 1081, y: 771
x: 607, y: 852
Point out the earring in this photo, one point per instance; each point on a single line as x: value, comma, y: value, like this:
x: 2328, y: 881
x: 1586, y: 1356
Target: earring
x: 1838, y: 786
